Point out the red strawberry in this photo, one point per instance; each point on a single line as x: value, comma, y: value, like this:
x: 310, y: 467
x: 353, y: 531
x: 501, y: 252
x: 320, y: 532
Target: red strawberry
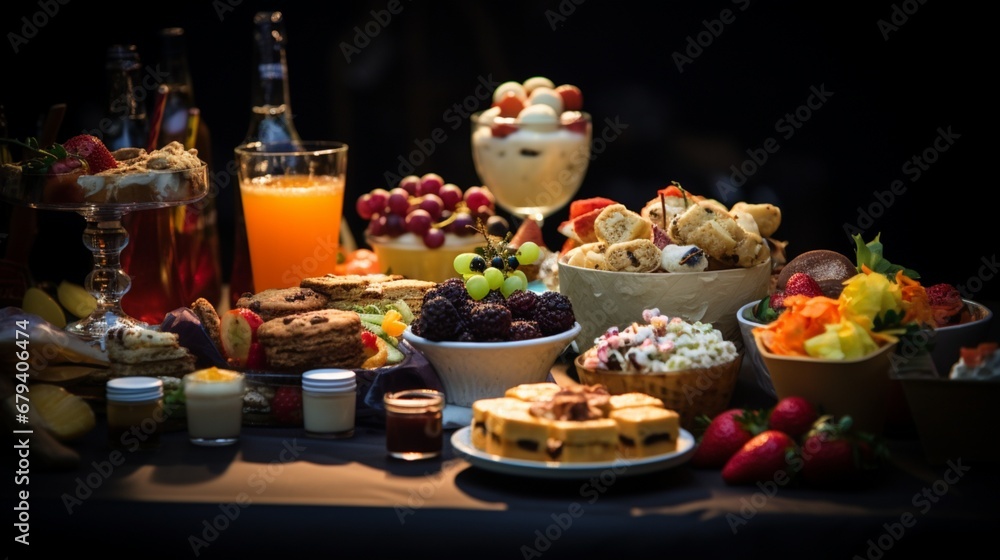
x: 761, y: 459
x: 238, y: 332
x: 256, y: 357
x: 368, y: 338
x: 793, y: 415
x: 92, y: 149
x: 725, y: 435
x: 833, y: 453
x: 502, y: 130
x: 777, y: 300
x: 943, y: 295
x: 286, y: 406
x: 801, y: 283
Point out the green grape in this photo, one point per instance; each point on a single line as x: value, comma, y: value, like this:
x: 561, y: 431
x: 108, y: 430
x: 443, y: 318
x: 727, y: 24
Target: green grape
x: 494, y: 277
x: 466, y: 276
x: 527, y: 253
x: 511, y: 284
x: 524, y: 278
x: 462, y: 263
x: 477, y: 286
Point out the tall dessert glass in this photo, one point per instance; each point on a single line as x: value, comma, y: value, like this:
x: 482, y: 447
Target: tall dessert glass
x: 532, y: 168
x: 103, y: 200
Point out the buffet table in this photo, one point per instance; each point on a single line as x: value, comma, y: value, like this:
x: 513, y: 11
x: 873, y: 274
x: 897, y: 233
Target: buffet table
x: 278, y: 491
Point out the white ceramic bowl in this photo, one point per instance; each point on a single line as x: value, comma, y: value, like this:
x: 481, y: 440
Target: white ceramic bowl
x: 745, y: 318
x: 470, y: 371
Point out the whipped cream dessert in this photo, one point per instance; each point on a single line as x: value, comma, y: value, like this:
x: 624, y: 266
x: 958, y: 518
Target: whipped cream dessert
x: 532, y: 146
x: 662, y: 344
x: 169, y: 174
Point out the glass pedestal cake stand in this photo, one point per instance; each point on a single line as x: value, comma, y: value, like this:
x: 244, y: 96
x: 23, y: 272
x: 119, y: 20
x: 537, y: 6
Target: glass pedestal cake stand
x: 103, y: 201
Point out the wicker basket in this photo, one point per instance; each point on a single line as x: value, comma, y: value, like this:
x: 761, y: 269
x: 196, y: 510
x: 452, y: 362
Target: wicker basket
x: 692, y: 392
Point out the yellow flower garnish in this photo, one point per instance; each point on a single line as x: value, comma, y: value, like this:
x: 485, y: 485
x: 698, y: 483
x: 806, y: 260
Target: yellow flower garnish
x: 845, y: 340
x: 869, y: 295
x: 393, y: 324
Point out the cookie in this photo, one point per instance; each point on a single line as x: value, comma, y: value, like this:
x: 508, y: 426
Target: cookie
x: 322, y: 338
x: 637, y: 255
x: 209, y: 318
x: 347, y: 287
x: 616, y: 224
x: 279, y: 302
x: 409, y: 290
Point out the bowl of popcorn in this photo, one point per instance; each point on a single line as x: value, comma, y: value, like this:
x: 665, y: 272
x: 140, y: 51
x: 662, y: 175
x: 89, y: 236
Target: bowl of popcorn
x: 481, y: 344
x: 688, y: 365
x: 685, y: 255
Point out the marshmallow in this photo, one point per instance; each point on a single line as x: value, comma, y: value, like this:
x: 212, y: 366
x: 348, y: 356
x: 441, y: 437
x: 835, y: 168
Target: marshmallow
x: 539, y: 117
x: 536, y: 82
x: 683, y: 258
x: 546, y: 96
x: 503, y: 88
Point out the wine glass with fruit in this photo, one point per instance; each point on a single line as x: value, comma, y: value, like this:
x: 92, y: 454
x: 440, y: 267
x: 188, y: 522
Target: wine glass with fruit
x: 532, y: 146
x: 418, y: 227
x: 81, y: 175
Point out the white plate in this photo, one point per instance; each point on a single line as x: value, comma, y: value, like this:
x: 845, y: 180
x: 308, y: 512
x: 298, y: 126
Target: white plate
x: 461, y: 440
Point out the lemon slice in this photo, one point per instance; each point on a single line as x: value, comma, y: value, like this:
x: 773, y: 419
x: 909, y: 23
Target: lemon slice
x: 76, y: 299
x: 65, y: 415
x: 42, y: 304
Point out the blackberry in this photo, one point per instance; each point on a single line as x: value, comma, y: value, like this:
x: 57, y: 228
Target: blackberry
x: 554, y: 313
x: 452, y: 289
x: 489, y: 322
x: 438, y: 320
x: 494, y: 296
x: 524, y: 330
x: 522, y: 304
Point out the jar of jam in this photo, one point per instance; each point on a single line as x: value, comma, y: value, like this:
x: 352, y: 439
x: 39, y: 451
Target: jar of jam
x: 329, y: 401
x: 413, y: 427
x: 135, y: 412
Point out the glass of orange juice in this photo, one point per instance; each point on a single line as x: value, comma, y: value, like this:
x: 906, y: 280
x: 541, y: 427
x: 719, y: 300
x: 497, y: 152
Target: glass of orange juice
x: 293, y: 202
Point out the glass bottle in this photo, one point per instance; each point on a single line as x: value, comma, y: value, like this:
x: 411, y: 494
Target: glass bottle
x: 195, y: 225
x: 150, y: 256
x: 270, y: 121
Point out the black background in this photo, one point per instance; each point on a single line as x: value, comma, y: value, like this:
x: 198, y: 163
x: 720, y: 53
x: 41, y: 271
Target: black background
x: 892, y: 90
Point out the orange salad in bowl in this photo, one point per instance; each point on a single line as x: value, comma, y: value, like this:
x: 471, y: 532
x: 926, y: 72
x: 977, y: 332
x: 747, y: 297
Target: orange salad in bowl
x: 872, y: 310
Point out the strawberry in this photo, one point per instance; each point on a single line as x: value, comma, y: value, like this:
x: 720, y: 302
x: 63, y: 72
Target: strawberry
x: 799, y: 283
x: 834, y: 453
x: 724, y: 435
x: 368, y: 338
x: 581, y: 228
x: 793, y: 415
x: 92, y: 149
x: 502, y: 130
x: 256, y: 358
x: 286, y: 406
x: 765, y: 457
x: 238, y: 332
x: 943, y: 294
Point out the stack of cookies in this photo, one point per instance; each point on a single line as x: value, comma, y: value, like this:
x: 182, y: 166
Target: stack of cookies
x: 140, y: 351
x: 325, y: 337
x: 345, y: 292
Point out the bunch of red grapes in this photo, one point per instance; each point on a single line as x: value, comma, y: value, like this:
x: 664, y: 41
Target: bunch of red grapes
x: 427, y: 207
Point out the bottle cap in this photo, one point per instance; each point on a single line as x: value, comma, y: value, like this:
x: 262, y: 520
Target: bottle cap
x: 329, y: 380
x: 134, y: 389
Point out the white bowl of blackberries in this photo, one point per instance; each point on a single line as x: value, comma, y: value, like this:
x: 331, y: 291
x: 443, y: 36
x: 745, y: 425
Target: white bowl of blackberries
x: 484, y: 331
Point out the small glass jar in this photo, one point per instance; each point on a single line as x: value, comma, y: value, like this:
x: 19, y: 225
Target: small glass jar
x: 329, y: 401
x: 135, y: 412
x: 413, y: 426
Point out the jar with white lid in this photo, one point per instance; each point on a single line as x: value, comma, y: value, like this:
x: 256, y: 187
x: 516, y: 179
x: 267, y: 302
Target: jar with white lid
x: 329, y: 400
x: 134, y: 412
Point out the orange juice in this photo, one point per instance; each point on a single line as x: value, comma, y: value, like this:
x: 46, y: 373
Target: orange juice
x: 293, y: 227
